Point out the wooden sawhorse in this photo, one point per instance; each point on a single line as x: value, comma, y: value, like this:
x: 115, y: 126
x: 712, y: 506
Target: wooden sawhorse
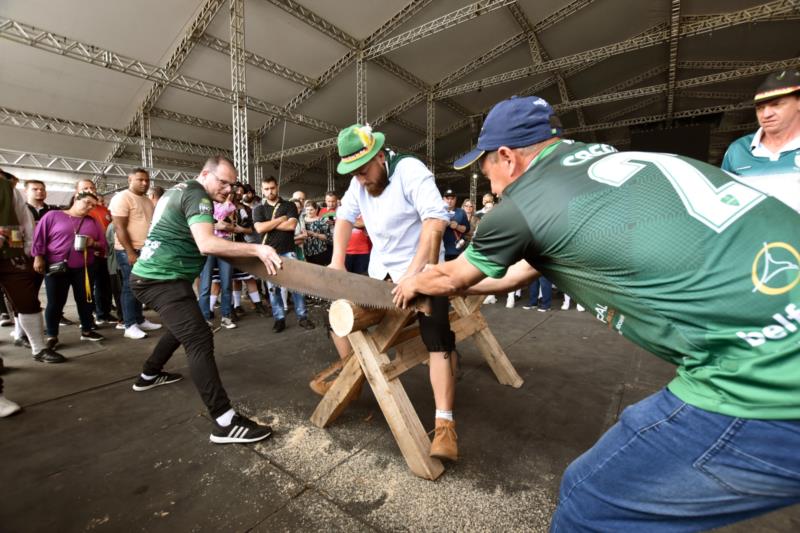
x: 398, y: 329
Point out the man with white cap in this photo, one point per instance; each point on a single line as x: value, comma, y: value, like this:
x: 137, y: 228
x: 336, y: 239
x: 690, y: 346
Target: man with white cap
x: 769, y: 159
x: 698, y: 269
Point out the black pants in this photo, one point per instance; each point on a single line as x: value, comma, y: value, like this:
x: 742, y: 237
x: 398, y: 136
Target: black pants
x: 102, y: 288
x: 57, y: 289
x: 176, y: 304
x: 435, y: 329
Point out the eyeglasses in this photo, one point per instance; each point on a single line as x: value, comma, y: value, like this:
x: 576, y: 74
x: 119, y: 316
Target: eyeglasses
x: 221, y: 181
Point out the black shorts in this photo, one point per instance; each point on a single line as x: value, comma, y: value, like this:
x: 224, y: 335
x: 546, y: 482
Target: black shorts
x: 435, y: 329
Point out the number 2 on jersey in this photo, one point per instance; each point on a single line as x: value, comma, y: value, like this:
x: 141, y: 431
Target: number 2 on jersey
x: 716, y: 207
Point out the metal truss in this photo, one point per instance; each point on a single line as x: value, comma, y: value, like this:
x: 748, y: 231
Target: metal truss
x: 198, y: 26
x: 732, y: 128
x: 361, y: 89
x: 61, y: 45
x: 239, y: 89
x: 683, y: 84
x: 258, y: 61
x: 717, y: 22
x: 716, y: 64
x: 190, y: 120
x: 162, y: 160
x: 14, y: 158
x: 316, y: 22
x: 36, y: 121
x: 436, y: 25
x: 297, y: 150
x: 690, y: 113
x: 430, y: 121
x: 146, y: 141
x: 302, y: 168
x: 331, y: 172
x: 409, y: 126
x: 674, y: 36
x: 343, y: 38
x: 716, y: 95
x: 635, y: 80
x: 488, y: 57
x: 258, y: 171
x: 613, y: 115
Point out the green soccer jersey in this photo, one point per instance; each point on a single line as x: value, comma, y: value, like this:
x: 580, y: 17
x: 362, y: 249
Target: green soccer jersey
x: 671, y: 253
x: 170, y: 251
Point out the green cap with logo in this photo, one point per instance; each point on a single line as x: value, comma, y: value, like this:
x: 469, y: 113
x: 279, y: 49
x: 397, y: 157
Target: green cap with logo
x: 357, y: 145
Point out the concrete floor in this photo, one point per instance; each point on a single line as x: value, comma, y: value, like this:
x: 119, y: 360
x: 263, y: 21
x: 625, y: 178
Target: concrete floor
x: 88, y: 453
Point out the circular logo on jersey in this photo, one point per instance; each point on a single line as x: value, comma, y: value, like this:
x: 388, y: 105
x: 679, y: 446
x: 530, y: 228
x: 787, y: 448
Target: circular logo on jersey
x: 776, y: 268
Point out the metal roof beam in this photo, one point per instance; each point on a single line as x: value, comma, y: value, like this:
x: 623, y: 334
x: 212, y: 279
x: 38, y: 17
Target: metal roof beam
x: 224, y: 47
x: 190, y: 120
x: 758, y: 13
x: 70, y: 128
x: 674, y: 36
x: 18, y: 159
x: 198, y: 26
x: 163, y: 160
x: 58, y: 44
x: 315, y: 21
x: 436, y: 25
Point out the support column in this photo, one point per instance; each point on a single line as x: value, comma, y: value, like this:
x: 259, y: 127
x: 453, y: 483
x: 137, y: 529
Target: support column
x: 258, y: 171
x: 238, y: 86
x: 431, y: 130
x: 146, y: 140
x: 331, y: 172
x: 361, y: 89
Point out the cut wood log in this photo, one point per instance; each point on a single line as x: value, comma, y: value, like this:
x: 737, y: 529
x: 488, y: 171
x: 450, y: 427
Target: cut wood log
x: 347, y: 317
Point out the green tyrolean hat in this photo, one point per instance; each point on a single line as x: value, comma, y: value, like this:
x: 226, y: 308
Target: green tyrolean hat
x: 357, y: 144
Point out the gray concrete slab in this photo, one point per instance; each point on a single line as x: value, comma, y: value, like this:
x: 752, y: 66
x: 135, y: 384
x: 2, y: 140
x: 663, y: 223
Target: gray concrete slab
x: 88, y: 453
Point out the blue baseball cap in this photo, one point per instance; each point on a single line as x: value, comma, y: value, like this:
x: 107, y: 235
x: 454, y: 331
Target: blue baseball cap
x: 515, y: 122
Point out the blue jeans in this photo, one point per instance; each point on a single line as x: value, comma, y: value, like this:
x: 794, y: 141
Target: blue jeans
x: 225, y: 276
x: 669, y: 466
x: 547, y: 293
x: 277, y: 302
x: 131, y: 307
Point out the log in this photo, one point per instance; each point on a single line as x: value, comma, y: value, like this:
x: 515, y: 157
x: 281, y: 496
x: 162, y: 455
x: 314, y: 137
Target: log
x: 347, y: 317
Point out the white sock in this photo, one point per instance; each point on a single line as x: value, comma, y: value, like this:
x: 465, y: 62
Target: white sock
x: 212, y: 301
x: 33, y: 326
x: 237, y: 298
x: 226, y: 418
x: 18, y: 333
x: 148, y: 377
x: 254, y: 297
x: 447, y: 415
x: 285, y: 297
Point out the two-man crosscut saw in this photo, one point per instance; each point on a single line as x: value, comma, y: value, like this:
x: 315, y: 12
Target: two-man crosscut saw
x: 323, y: 282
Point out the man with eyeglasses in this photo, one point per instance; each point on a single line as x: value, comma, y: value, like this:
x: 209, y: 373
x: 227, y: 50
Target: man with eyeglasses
x: 180, y: 236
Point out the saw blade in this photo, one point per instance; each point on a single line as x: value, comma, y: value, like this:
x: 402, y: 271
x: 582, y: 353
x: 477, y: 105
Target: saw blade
x: 322, y: 282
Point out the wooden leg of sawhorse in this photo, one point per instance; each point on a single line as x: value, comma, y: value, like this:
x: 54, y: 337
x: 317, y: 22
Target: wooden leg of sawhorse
x: 490, y: 349
x: 397, y: 409
x: 341, y: 393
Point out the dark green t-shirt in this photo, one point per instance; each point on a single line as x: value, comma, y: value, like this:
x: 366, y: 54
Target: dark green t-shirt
x: 671, y: 253
x: 170, y: 251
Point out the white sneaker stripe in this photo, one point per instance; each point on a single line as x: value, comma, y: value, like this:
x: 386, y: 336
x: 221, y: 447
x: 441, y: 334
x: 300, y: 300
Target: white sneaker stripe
x: 232, y: 431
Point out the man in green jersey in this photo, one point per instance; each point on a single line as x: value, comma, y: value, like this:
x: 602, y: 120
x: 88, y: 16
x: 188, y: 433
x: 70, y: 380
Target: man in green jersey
x: 699, y: 269
x: 181, y: 235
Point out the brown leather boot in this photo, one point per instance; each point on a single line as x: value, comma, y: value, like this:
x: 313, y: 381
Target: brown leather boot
x: 444, y: 446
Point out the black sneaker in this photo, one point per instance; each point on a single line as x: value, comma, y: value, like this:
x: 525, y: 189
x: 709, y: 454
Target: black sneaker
x: 279, y: 325
x: 241, y: 430
x: 260, y: 309
x: 51, y: 342
x: 91, y: 336
x: 65, y: 322
x: 22, y: 341
x: 163, y: 378
x: 306, y: 323
x: 6, y: 320
x: 49, y: 356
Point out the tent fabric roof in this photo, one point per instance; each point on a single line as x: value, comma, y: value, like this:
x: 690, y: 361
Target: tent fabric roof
x: 642, y: 55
